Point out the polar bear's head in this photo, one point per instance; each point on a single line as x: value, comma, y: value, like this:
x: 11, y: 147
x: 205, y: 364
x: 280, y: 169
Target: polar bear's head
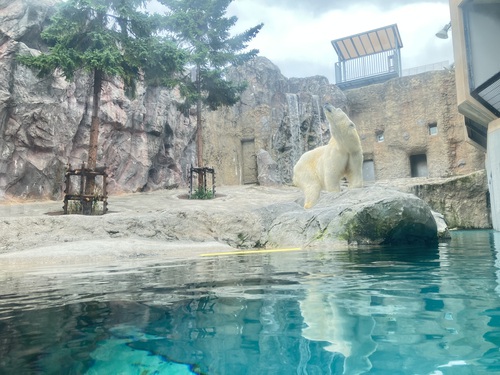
x: 342, y: 128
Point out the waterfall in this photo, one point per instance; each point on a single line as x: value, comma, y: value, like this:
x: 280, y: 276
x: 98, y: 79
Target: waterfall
x: 297, y: 147
x: 316, y: 125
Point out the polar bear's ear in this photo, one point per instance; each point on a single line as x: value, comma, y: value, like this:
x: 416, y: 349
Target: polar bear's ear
x: 351, y: 125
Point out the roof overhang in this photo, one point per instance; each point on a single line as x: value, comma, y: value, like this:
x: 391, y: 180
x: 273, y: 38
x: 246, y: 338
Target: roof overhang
x: 386, y: 38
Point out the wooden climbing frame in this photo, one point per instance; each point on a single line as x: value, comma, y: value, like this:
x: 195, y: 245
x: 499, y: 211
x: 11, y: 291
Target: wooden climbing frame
x: 197, y: 173
x: 86, y: 204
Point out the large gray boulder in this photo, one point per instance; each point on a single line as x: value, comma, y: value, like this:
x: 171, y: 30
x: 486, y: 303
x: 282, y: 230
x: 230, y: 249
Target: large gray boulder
x: 369, y: 216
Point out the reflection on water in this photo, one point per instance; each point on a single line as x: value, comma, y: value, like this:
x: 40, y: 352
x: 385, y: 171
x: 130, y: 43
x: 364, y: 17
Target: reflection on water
x: 362, y: 311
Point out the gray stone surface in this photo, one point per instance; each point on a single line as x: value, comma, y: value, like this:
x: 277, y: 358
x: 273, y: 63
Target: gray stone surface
x: 268, y: 173
x: 462, y: 200
x: 241, y: 217
x: 403, y: 109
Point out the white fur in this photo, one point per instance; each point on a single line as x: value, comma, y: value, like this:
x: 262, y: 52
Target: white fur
x: 325, y: 166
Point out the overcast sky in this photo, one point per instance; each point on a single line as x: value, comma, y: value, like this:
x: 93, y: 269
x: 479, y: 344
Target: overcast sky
x: 297, y: 33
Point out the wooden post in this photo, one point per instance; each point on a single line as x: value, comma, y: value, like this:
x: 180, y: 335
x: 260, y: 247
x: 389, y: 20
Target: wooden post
x: 83, y: 185
x: 66, y: 189
x: 213, y: 183
x: 190, y: 182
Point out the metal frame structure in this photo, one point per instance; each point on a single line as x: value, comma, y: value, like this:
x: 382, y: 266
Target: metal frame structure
x: 83, y: 199
x: 195, y: 172
x: 369, y: 57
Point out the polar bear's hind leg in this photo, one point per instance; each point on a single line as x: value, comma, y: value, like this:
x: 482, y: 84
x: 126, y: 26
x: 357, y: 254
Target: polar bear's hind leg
x: 355, y: 171
x: 311, y: 194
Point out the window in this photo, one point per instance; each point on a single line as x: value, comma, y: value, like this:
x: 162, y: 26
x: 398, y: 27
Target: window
x: 379, y: 136
x: 433, y: 129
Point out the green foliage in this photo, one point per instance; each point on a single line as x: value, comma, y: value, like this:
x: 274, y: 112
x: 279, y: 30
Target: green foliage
x: 114, y: 37
x: 203, y: 30
x: 74, y: 207
x: 109, y: 38
x: 202, y: 193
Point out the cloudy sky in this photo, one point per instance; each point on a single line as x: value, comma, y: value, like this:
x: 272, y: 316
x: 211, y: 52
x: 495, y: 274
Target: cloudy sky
x: 297, y: 33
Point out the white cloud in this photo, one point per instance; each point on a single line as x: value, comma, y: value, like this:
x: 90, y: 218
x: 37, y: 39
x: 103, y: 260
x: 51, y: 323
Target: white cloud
x: 299, y: 41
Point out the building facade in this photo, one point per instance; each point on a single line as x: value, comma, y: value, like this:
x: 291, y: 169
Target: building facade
x: 475, y: 25
x: 410, y: 127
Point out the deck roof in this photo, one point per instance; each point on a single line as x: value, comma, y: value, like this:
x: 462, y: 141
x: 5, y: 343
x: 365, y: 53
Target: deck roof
x: 368, y: 43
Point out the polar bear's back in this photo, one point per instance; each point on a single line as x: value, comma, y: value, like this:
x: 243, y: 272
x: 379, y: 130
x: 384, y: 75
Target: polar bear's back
x: 311, y: 166
x: 305, y: 167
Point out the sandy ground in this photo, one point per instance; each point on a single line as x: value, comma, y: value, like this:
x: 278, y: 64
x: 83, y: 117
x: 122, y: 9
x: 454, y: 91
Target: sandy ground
x: 111, y: 250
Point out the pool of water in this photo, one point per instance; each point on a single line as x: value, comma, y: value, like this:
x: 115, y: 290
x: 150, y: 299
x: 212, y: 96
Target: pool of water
x: 358, y: 311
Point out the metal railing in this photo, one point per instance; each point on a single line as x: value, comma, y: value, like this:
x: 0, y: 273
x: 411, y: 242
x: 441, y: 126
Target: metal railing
x: 379, y: 64
x: 426, y: 68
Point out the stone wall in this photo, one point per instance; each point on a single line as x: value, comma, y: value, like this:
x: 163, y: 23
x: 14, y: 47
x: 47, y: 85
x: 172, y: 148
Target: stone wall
x: 403, y: 110
x: 463, y: 200
x: 280, y: 116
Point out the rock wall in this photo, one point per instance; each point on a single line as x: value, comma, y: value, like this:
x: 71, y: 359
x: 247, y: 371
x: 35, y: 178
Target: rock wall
x: 147, y: 144
x: 463, y: 200
x: 280, y: 116
x: 44, y: 124
x: 403, y: 111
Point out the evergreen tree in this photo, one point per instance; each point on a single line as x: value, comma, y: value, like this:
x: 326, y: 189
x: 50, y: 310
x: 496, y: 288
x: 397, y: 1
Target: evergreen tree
x: 107, y: 38
x: 202, y: 28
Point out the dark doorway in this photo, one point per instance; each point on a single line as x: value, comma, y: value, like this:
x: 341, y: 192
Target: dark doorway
x: 368, y: 170
x: 249, y: 162
x: 418, y: 164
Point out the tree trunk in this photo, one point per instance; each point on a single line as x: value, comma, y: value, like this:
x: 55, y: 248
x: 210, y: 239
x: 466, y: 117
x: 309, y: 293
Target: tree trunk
x: 94, y: 126
x: 94, y: 139
x: 199, y: 135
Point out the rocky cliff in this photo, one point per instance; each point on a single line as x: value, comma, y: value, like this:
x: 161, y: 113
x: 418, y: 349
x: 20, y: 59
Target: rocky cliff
x: 146, y: 143
x: 44, y: 124
x: 413, y: 118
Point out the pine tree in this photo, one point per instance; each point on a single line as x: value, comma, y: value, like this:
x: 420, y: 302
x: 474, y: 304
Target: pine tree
x: 106, y: 38
x: 202, y: 28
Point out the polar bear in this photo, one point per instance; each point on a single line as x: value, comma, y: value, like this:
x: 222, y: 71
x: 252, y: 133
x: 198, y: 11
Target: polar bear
x: 324, y: 167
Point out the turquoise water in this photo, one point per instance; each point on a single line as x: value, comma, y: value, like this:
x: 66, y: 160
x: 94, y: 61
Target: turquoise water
x: 362, y: 311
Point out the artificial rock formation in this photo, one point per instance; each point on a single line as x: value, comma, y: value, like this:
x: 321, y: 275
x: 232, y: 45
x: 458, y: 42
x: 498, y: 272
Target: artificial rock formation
x: 146, y: 143
x: 278, y: 115
x: 368, y: 216
x: 44, y: 124
x: 411, y: 127
x: 371, y: 216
